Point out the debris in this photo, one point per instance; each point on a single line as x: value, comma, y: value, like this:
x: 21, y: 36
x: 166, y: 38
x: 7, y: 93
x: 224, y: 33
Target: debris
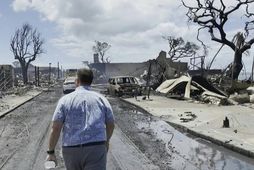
x: 240, y: 98
x: 187, y: 117
x: 228, y: 141
x: 250, y: 89
x: 195, y: 87
x: 252, y: 98
x: 211, y: 100
x: 226, y: 123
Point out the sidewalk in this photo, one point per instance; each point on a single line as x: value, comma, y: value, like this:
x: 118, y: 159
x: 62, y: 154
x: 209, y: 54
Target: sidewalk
x: 207, y: 122
x: 11, y: 102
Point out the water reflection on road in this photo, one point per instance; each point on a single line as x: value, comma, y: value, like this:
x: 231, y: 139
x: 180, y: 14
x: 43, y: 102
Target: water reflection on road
x: 183, y: 150
x: 198, y: 152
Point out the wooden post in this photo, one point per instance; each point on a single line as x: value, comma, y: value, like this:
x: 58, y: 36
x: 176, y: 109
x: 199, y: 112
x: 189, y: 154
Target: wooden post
x: 4, y: 80
x: 38, y: 76
x: 149, y: 78
x: 58, y: 71
x: 49, y: 71
x: 35, y: 75
x: 252, y: 71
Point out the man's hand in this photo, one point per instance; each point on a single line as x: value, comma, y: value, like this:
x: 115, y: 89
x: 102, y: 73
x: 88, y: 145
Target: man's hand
x: 54, y: 136
x: 51, y: 157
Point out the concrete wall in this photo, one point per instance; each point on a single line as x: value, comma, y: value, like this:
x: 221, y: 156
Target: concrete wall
x: 135, y: 69
x: 125, y: 69
x: 161, y: 68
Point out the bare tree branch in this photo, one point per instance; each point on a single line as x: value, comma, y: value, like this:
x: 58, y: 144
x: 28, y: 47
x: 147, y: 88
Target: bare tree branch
x: 213, y: 17
x: 101, y: 48
x: 26, y: 44
x: 179, y: 49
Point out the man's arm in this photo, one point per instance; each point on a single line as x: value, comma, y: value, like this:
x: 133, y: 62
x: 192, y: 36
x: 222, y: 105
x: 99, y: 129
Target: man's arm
x: 54, y: 134
x: 53, y: 139
x: 109, y: 130
x: 109, y: 120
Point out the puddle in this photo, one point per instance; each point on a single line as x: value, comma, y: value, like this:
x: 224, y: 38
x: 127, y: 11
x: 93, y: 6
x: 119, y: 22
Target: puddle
x: 200, y: 153
x: 187, y: 152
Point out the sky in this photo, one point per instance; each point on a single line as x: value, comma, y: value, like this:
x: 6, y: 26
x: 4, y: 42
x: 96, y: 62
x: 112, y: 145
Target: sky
x: 134, y: 29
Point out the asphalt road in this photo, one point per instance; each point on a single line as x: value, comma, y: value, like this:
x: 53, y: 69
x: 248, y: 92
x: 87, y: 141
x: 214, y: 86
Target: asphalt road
x: 24, y: 136
x: 169, y: 148
x: 140, y: 141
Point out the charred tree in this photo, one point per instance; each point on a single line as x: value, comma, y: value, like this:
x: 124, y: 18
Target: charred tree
x: 26, y: 45
x: 101, y: 48
x: 213, y: 15
x: 178, y: 48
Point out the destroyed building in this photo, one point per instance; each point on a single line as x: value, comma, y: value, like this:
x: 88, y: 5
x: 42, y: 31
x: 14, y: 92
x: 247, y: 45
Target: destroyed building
x: 43, y: 72
x: 159, y: 66
x: 195, y: 87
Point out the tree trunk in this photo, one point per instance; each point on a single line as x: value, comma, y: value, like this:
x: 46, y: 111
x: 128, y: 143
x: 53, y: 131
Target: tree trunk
x: 24, y: 68
x: 237, y: 66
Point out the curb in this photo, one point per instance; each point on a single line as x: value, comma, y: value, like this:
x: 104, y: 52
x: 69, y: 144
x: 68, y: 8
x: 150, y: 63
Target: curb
x: 196, y: 134
x: 12, y: 109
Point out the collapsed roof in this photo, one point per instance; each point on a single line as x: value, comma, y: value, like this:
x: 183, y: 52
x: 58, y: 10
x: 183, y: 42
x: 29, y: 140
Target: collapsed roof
x: 190, y: 86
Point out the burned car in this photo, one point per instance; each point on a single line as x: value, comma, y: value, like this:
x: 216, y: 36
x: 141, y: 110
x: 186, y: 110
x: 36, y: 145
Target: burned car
x: 124, y: 85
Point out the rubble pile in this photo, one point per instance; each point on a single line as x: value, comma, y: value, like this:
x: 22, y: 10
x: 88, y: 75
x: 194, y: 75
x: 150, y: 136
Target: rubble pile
x: 252, y: 98
x: 187, y: 117
x: 195, y: 87
x: 251, y: 93
x: 244, y: 96
x: 3, y: 106
x: 240, y: 98
x: 199, y: 89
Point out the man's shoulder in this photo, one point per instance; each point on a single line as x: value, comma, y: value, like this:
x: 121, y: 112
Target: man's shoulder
x: 67, y: 97
x: 97, y: 95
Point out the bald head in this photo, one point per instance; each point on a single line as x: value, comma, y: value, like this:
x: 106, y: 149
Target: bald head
x: 85, y: 76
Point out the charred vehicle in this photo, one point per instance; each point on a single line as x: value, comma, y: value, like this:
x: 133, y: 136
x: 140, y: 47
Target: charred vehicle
x: 124, y: 85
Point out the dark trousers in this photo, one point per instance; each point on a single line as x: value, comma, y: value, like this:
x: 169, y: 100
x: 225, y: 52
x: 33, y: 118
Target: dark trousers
x: 85, y: 158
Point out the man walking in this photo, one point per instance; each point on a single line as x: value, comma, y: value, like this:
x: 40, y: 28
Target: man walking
x: 87, y: 123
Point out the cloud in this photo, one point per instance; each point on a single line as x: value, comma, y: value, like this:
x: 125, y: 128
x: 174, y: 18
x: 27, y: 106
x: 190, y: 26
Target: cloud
x: 134, y: 29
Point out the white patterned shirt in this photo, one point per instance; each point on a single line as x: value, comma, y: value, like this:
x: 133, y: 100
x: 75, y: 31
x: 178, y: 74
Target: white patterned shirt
x: 84, y: 114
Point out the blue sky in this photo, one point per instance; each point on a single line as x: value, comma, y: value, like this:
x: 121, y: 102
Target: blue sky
x: 134, y: 29
x: 11, y: 20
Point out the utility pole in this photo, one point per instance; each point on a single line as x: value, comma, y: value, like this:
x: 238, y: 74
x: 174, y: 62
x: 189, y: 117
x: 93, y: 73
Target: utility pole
x: 49, y: 71
x: 38, y: 76
x: 148, y: 79
x: 58, y: 71
x: 4, y: 80
x: 202, y: 65
x: 62, y: 72
x: 252, y: 71
x: 35, y: 76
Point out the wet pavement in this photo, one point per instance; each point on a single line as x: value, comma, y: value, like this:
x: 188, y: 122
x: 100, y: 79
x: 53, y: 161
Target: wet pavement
x: 24, y: 134
x: 170, y: 148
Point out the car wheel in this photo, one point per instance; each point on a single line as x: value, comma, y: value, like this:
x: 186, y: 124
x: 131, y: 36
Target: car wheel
x: 118, y: 94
